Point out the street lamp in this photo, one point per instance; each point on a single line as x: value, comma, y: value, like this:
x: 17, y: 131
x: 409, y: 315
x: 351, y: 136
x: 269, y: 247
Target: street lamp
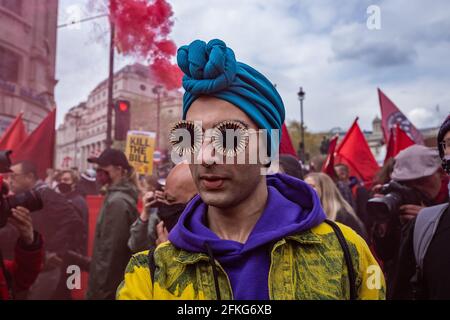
x: 77, y: 118
x: 157, y: 90
x: 301, y: 97
x: 110, y: 102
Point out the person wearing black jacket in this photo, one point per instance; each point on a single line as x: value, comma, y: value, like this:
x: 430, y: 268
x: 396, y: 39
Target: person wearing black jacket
x: 67, y: 186
x: 58, y: 223
x: 435, y: 279
x: 417, y: 168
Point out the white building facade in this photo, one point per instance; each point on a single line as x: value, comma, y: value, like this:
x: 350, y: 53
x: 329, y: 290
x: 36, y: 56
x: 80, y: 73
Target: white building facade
x: 83, y: 133
x: 27, y: 60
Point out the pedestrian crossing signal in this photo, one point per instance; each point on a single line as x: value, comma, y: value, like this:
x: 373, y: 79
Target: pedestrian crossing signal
x: 122, y: 119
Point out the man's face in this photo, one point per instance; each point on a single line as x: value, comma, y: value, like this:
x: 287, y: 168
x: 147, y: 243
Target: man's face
x: 430, y: 185
x: 66, y: 178
x: 341, y: 172
x: 109, y: 174
x: 222, y: 185
x: 19, y: 181
x: 180, y: 188
x: 447, y: 138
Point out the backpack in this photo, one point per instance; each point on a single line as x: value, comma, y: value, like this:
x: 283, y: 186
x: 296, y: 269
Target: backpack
x: 425, y: 227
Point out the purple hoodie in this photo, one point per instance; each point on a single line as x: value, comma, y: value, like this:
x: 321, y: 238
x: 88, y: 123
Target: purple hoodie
x: 292, y: 207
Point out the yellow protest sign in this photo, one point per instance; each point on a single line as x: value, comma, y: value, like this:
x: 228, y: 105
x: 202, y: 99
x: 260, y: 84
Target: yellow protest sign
x: 139, y: 150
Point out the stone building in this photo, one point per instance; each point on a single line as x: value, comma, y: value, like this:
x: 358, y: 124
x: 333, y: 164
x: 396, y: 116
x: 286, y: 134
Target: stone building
x: 27, y: 60
x: 83, y: 132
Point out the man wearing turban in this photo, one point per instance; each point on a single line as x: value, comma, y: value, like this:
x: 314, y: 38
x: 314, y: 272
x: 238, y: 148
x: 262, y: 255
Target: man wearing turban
x: 245, y: 235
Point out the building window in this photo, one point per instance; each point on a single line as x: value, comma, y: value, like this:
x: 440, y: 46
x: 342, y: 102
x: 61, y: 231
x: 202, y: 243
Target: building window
x: 9, y: 65
x: 12, y: 5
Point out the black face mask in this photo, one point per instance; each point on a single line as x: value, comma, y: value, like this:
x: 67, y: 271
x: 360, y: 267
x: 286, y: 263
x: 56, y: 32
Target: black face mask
x: 170, y: 214
x: 64, y: 188
x: 102, y: 177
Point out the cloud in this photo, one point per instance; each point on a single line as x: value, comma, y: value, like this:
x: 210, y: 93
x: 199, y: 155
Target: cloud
x: 356, y: 43
x: 323, y: 46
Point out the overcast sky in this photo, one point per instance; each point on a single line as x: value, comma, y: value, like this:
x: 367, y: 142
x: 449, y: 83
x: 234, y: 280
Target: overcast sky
x: 324, y: 46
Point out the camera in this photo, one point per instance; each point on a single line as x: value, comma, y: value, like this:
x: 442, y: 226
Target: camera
x: 28, y: 199
x: 395, y: 195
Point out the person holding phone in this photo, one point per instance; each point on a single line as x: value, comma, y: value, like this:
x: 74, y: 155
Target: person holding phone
x: 162, y: 208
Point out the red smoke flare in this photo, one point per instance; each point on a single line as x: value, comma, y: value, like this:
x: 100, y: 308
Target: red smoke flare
x: 142, y: 29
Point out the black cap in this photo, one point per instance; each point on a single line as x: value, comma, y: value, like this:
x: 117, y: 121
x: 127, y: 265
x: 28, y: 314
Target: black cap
x: 111, y: 157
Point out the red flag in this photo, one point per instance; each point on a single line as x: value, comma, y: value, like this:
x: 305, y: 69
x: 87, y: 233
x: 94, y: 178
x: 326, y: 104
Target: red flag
x: 328, y: 165
x: 355, y: 153
x: 391, y: 115
x: 390, y: 146
x: 14, y: 135
x: 39, y: 146
x: 286, y: 146
x: 398, y: 141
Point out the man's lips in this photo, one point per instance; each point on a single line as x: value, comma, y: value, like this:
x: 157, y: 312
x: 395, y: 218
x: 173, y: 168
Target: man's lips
x: 212, y: 182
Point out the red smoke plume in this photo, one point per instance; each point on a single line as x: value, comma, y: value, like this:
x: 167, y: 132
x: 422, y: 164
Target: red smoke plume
x: 142, y: 29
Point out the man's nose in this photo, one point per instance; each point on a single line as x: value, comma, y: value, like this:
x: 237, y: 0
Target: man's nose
x: 207, y: 154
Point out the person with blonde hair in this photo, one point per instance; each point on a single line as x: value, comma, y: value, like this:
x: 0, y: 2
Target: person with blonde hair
x: 333, y: 203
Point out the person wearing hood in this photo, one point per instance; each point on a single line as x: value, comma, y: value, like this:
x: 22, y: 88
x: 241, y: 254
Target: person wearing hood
x: 119, y: 210
x: 246, y: 235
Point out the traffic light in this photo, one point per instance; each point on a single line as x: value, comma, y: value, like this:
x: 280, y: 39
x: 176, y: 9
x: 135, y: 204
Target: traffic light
x: 122, y: 119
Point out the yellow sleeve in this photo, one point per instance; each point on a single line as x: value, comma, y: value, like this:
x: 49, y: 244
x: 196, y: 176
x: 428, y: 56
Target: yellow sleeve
x: 137, y: 284
x: 372, y: 286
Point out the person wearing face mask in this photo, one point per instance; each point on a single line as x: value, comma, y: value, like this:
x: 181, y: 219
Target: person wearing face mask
x: 112, y: 231
x: 162, y: 209
x: 67, y: 181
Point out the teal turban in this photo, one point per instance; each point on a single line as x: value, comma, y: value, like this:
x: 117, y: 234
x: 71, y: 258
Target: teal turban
x: 211, y: 69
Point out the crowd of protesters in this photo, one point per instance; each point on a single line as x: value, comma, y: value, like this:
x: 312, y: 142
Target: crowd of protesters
x: 224, y: 231
x: 38, y: 269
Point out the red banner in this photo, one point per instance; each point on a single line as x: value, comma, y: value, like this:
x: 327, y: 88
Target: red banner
x: 391, y: 116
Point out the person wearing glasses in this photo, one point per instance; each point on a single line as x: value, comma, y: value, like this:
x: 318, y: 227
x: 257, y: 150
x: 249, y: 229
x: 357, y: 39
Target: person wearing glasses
x: 112, y: 231
x: 246, y: 235
x: 57, y: 221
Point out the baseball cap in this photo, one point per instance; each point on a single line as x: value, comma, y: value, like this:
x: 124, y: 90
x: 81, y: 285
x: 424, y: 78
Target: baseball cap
x: 111, y: 157
x: 89, y: 175
x: 415, y: 162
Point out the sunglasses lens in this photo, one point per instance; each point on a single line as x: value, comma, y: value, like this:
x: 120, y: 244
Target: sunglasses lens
x: 230, y: 138
x: 185, y: 137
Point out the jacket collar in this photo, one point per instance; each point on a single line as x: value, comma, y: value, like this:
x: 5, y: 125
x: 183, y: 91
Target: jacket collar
x: 307, y: 238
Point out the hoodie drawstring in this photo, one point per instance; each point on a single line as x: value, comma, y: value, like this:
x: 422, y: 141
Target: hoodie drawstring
x: 214, y: 270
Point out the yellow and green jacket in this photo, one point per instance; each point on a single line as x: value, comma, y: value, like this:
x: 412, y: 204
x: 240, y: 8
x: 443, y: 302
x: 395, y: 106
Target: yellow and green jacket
x: 307, y: 265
